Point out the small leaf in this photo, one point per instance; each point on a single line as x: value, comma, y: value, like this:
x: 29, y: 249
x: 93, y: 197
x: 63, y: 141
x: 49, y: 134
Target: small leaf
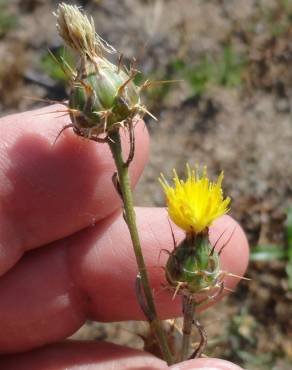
x: 289, y: 231
x: 267, y: 252
x: 289, y: 244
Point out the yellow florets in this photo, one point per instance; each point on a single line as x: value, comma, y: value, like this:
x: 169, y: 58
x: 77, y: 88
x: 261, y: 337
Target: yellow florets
x: 195, y: 203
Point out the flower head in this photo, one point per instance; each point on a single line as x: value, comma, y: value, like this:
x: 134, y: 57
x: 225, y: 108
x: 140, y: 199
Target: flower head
x: 78, y: 31
x: 103, y: 96
x: 195, y: 203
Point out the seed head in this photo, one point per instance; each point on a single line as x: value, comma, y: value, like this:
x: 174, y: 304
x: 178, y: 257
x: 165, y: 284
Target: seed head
x: 78, y: 32
x: 103, y: 95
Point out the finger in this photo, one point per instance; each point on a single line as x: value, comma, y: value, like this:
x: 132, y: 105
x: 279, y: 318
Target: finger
x: 48, y: 191
x: 77, y: 355
x: 51, y: 292
x: 82, y: 355
x: 207, y: 364
x: 109, y: 260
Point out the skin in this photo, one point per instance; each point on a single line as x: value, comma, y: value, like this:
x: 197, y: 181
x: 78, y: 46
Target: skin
x: 65, y: 252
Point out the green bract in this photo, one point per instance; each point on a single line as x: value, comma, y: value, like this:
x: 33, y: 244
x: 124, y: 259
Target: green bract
x: 102, y: 95
x: 193, y: 267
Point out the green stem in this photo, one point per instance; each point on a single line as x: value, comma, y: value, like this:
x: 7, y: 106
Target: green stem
x: 130, y: 218
x: 189, y: 313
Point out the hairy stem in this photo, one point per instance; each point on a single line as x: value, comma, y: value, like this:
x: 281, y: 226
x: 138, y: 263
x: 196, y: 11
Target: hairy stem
x: 188, y: 316
x: 130, y: 218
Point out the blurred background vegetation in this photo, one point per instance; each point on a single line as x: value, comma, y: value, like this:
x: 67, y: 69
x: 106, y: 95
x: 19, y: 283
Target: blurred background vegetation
x: 233, y: 111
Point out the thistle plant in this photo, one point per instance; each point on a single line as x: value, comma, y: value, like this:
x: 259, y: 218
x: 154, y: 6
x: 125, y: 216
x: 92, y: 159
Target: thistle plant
x: 193, y: 267
x: 103, y: 100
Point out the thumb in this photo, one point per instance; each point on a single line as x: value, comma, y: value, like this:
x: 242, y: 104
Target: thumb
x: 206, y: 364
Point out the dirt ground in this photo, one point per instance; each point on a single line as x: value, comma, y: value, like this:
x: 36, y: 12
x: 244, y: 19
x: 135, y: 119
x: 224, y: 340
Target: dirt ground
x: 231, y: 112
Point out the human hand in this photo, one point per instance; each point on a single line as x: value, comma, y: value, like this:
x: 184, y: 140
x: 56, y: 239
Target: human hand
x: 65, y: 251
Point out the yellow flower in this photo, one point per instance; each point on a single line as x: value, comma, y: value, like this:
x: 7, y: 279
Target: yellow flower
x: 195, y: 203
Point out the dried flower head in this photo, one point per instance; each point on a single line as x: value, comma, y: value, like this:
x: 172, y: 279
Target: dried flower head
x: 195, y: 203
x: 103, y: 96
x: 78, y: 31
